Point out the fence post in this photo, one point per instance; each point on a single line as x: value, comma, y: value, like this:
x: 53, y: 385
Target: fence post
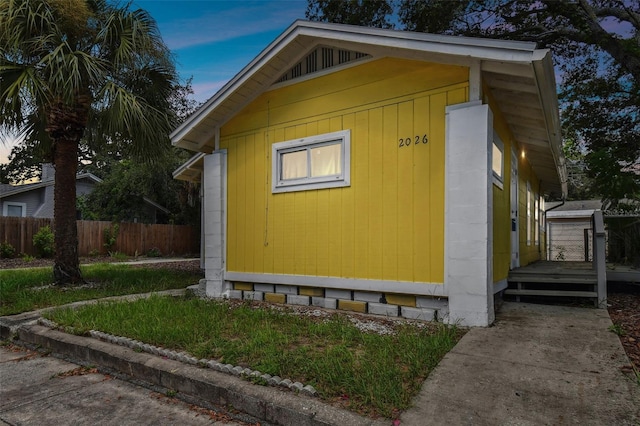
x: 599, y: 257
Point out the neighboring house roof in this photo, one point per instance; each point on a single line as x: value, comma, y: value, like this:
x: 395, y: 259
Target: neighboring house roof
x: 19, y: 189
x: 576, y: 208
x: 520, y: 77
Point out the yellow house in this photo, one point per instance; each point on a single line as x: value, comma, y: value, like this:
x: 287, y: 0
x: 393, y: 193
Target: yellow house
x: 381, y: 171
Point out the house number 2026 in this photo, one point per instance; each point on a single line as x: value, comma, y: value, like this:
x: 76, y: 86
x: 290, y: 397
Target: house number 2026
x: 416, y: 140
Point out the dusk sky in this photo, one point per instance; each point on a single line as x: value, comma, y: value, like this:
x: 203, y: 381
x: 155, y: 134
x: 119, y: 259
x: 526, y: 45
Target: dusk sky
x: 212, y: 40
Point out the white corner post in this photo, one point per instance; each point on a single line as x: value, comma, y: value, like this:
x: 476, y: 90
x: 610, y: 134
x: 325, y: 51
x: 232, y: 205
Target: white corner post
x: 468, y: 264
x: 214, y: 184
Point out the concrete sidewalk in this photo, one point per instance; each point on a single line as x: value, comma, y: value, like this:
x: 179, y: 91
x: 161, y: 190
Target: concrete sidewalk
x: 39, y: 390
x: 538, y: 365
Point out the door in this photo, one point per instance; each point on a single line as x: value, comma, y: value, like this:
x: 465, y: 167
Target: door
x: 515, y: 238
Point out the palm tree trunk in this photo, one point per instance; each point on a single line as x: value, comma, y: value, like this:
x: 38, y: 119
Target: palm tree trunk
x: 66, y: 269
x: 65, y: 126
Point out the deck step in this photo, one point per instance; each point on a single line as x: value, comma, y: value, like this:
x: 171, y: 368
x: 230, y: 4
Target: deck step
x: 553, y: 280
x: 556, y: 293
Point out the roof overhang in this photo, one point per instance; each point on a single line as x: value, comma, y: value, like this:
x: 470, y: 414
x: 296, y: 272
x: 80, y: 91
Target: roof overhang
x: 192, y: 169
x: 520, y: 77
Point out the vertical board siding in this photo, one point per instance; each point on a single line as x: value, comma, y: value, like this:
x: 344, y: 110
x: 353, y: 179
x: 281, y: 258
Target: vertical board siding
x: 133, y: 238
x: 389, y: 223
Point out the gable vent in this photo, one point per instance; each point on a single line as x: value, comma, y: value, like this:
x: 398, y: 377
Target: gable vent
x: 320, y: 59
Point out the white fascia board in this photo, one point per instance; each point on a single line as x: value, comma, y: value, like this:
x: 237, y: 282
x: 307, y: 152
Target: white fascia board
x: 447, y: 45
x: 547, y: 92
x: 465, y: 47
x: 187, y: 164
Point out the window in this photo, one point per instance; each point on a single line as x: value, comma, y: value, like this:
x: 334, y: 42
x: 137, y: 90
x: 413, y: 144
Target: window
x: 536, y: 220
x: 497, y: 161
x: 315, y: 162
x: 529, y: 207
x: 14, y: 209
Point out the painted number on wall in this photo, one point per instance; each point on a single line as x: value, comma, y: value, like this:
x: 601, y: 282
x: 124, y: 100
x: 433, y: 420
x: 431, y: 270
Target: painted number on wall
x: 415, y: 141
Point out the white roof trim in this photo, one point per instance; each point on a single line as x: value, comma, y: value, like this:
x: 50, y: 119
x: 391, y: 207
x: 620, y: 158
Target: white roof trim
x: 466, y: 47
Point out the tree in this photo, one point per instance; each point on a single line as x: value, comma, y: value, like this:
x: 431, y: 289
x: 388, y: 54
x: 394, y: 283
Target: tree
x: 69, y: 65
x: 596, y: 44
x: 370, y: 13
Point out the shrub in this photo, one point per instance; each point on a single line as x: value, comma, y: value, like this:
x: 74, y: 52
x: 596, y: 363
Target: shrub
x: 43, y: 242
x: 154, y: 252
x: 110, y: 236
x: 7, y: 251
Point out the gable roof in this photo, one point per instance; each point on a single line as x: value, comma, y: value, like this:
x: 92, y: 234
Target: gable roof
x: 520, y: 77
x: 10, y: 190
x: 19, y: 189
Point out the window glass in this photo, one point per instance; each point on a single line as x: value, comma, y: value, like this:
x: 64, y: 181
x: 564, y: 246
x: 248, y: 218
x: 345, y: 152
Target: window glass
x: 326, y: 160
x: 13, y: 210
x: 314, y: 162
x: 497, y: 161
x: 294, y: 165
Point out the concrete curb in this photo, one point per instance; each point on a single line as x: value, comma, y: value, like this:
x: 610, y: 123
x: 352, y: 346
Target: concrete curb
x: 267, y: 404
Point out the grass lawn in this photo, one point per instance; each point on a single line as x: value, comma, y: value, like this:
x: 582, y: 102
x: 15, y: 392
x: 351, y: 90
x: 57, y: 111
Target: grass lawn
x: 30, y: 289
x: 374, y: 374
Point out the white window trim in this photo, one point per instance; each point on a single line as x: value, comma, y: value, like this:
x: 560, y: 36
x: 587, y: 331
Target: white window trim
x: 344, y: 179
x: 529, y: 208
x: 498, y: 180
x: 6, y: 204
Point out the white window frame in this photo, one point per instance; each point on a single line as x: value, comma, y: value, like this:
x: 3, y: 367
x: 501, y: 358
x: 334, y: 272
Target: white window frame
x: 498, y: 179
x: 6, y: 204
x: 529, y: 209
x: 279, y: 185
x: 536, y: 219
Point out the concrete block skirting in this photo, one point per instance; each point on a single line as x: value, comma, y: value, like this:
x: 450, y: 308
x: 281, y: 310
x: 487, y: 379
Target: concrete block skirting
x: 367, y: 296
x: 431, y: 302
x: 297, y: 300
x: 243, y: 286
x: 383, y: 309
x: 265, y: 288
x: 398, y: 305
x: 253, y: 295
x: 418, y: 313
x: 352, y: 305
x: 287, y: 289
x: 332, y: 293
x: 323, y: 302
x: 234, y: 294
x: 275, y: 298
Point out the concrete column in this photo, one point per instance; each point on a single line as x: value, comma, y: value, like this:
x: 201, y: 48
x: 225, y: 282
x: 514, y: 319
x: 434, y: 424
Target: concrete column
x: 214, y: 184
x: 468, y: 214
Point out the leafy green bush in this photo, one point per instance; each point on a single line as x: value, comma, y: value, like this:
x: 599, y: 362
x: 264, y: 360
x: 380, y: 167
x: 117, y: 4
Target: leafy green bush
x: 111, y: 236
x: 43, y: 242
x: 7, y: 251
x: 154, y: 252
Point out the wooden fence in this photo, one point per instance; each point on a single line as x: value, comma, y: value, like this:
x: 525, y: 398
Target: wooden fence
x: 132, y: 237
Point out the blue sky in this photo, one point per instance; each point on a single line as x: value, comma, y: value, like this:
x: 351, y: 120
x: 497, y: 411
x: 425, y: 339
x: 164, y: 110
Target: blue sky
x: 212, y: 40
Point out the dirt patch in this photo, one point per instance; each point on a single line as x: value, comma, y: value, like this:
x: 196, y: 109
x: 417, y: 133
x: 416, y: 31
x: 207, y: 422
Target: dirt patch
x: 624, y: 309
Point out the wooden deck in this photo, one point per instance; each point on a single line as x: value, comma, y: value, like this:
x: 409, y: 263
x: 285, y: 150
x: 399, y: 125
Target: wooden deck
x: 546, y: 279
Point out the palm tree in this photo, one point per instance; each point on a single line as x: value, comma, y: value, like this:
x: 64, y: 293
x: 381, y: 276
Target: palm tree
x: 67, y: 66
